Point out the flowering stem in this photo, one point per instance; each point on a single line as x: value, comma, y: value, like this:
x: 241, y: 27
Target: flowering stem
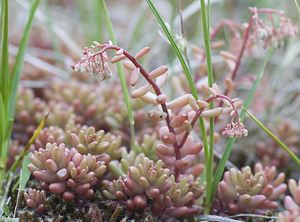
x: 199, y: 112
x: 121, y: 74
x: 155, y: 87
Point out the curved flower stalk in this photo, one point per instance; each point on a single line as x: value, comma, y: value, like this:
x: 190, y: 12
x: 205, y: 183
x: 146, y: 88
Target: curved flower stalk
x: 36, y: 199
x: 66, y: 172
x: 149, y: 185
x: 292, y: 203
x: 247, y: 192
x: 177, y: 143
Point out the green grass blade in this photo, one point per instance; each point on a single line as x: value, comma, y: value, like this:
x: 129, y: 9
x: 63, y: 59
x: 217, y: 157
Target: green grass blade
x: 4, y: 83
x: 121, y: 73
x: 275, y: 138
x: 20, y: 59
x: 297, y: 6
x: 179, y: 54
x: 231, y: 141
x: 210, y: 154
x: 4, y: 90
x: 25, y: 173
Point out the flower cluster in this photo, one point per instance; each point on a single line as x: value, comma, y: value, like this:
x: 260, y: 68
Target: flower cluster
x: 94, y: 63
x: 270, y: 34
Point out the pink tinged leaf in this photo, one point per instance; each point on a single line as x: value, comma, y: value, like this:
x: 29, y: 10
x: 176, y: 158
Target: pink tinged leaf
x: 31, y: 203
x: 129, y: 65
x: 182, y: 164
x: 182, y: 101
x: 227, y: 192
x: 117, y: 58
x: 140, y: 201
x: 152, y: 193
x: 191, y: 149
x: 160, y: 81
x: 278, y: 191
x: 32, y: 167
x: 290, y: 204
x: 268, y: 204
x: 44, y: 176
x: 176, y: 211
x: 130, y: 205
x: 120, y: 195
x: 268, y: 190
x: 82, y: 188
x: 139, y: 92
x: 68, y: 195
x: 142, y: 52
x: 36, y: 162
x: 257, y: 200
x: 185, y: 199
x: 41, y: 208
x: 165, y: 150
x: 297, y: 195
x: 51, y: 165
x: 57, y: 187
x: 149, y: 98
x: 244, y: 201
x: 158, y: 72
x: 88, y: 195
x: 133, y: 186
x: 178, y: 120
x: 134, y: 76
x: 168, y: 160
x: 166, y: 186
x: 212, y: 112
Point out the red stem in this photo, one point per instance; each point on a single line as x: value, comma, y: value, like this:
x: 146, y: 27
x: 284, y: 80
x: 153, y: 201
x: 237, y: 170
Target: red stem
x: 198, y: 113
x: 156, y: 90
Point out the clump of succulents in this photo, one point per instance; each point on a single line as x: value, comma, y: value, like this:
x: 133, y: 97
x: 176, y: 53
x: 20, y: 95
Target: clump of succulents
x: 247, y: 192
x: 29, y: 111
x: 149, y: 185
x: 88, y: 140
x: 81, y: 155
x: 292, y: 203
x: 66, y: 172
x: 36, y: 199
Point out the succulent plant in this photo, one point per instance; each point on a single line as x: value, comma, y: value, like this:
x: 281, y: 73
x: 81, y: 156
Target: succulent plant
x: 244, y: 191
x: 150, y: 185
x: 88, y: 140
x: 36, y: 199
x: 51, y: 134
x: 65, y: 171
x: 291, y: 203
x: 29, y: 111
